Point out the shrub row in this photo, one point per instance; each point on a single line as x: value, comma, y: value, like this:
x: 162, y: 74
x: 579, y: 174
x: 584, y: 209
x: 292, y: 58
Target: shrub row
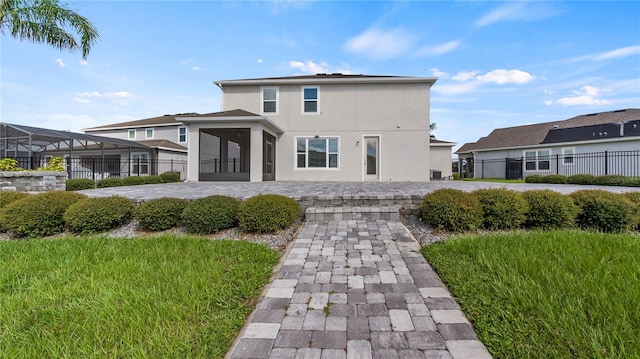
x: 77, y: 184
x: 52, y: 212
x: 586, y: 179
x: 502, y: 209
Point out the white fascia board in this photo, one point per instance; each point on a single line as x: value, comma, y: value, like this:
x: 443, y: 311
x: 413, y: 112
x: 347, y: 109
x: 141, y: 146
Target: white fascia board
x: 560, y: 144
x: 265, y: 121
x: 335, y: 80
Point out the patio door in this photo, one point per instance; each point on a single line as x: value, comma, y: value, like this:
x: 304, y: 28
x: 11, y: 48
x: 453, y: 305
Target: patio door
x: 268, y: 157
x: 371, y: 158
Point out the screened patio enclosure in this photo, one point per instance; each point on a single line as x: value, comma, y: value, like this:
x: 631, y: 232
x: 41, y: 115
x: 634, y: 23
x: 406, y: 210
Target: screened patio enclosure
x: 89, y: 154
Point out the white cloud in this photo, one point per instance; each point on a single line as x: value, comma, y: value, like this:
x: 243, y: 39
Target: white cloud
x: 437, y: 73
x: 186, y: 61
x: 119, y: 98
x: 618, y: 53
x: 587, y: 95
x: 518, y: 11
x: 464, y: 76
x: 260, y: 61
x: 502, y: 76
x: 456, y: 88
x: 84, y: 62
x: 439, y: 49
x: 195, y: 68
x: 380, y: 44
x: 59, y: 62
x: 312, y: 68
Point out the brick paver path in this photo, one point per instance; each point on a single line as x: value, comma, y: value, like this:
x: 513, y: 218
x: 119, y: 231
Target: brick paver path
x: 357, y: 289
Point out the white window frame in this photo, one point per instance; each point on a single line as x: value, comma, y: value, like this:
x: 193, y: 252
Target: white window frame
x: 143, y: 162
x: 262, y: 100
x: 146, y: 133
x: 180, y: 134
x: 131, y: 131
x: 303, y: 100
x: 568, y: 156
x: 537, y: 159
x: 306, y: 154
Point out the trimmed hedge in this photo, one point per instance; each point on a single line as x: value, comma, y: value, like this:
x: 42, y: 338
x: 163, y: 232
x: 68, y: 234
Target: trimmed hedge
x: 534, y: 179
x: 605, y: 211
x: 152, y: 179
x: 98, y: 214
x: 210, y: 214
x: 555, y: 179
x: 582, y: 179
x: 133, y: 181
x: 268, y: 213
x: 38, y: 215
x: 549, y: 209
x: 160, y: 214
x: 169, y: 177
x: 610, y: 180
x: 78, y: 184
x: 635, y: 198
x: 502, y: 208
x: 109, y: 182
x: 7, y: 197
x: 452, y: 209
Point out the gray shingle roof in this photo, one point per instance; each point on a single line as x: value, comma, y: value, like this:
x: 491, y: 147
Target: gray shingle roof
x: 160, y: 120
x: 535, y: 134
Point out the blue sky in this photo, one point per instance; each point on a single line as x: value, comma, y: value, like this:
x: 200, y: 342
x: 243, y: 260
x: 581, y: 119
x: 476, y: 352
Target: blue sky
x: 498, y: 64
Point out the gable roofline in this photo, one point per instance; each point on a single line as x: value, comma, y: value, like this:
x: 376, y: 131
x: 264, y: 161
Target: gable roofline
x: 233, y: 116
x: 333, y: 78
x: 535, y: 134
x: 159, y: 121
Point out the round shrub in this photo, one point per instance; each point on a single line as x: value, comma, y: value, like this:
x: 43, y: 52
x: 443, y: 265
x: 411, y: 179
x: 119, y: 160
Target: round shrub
x: 549, y: 209
x: 109, y: 182
x: 452, y: 209
x: 534, y: 179
x: 169, y: 177
x: 98, y: 214
x: 133, y: 181
x: 77, y: 184
x: 7, y: 197
x: 152, y: 179
x: 557, y: 179
x: 38, y: 215
x: 268, y: 213
x: 610, y: 180
x: 502, y: 208
x: 582, y: 179
x: 160, y: 214
x: 210, y: 214
x: 635, y: 198
x: 605, y: 211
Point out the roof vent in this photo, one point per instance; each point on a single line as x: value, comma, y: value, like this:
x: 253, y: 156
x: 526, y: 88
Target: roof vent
x: 591, y: 114
x: 337, y: 73
x: 555, y: 126
x: 619, y: 111
x: 321, y: 74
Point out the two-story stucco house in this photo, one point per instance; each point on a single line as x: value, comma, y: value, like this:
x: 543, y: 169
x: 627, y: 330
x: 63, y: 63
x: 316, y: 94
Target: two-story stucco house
x: 324, y: 127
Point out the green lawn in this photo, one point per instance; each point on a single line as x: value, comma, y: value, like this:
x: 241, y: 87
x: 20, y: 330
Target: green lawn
x: 564, y: 294
x: 158, y: 297
x: 498, y: 180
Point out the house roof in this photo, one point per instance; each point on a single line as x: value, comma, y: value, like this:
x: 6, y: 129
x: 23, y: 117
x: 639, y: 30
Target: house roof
x: 536, y: 134
x: 153, y: 121
x: 230, y: 113
x: 328, y: 78
x: 163, y: 144
x: 236, y: 116
x: 441, y: 143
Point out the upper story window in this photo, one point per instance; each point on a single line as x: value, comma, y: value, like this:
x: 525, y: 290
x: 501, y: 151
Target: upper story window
x: 537, y: 160
x: 148, y: 133
x: 182, y: 134
x: 132, y: 134
x: 310, y: 99
x: 269, y: 100
x: 321, y: 152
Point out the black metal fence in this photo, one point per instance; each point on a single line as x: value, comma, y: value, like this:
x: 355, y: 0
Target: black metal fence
x: 625, y: 163
x: 97, y: 168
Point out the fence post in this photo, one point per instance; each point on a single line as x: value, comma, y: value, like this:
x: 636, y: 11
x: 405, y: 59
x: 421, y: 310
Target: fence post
x: 482, y: 169
x: 606, y: 162
x: 172, y: 165
x: 138, y: 162
x: 557, y: 164
x: 93, y: 168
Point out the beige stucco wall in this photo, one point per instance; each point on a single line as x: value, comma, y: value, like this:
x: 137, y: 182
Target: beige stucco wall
x: 397, y: 113
x: 441, y: 160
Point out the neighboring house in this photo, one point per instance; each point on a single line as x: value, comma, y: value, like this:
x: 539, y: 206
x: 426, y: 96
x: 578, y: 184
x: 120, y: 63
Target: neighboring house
x: 598, y: 144
x: 440, y: 159
x: 164, y: 138
x: 324, y: 127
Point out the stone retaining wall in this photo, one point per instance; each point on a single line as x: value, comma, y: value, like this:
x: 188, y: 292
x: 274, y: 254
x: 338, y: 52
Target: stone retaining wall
x: 32, y: 181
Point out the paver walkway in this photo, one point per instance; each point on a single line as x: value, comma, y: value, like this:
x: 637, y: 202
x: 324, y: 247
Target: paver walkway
x: 357, y: 289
